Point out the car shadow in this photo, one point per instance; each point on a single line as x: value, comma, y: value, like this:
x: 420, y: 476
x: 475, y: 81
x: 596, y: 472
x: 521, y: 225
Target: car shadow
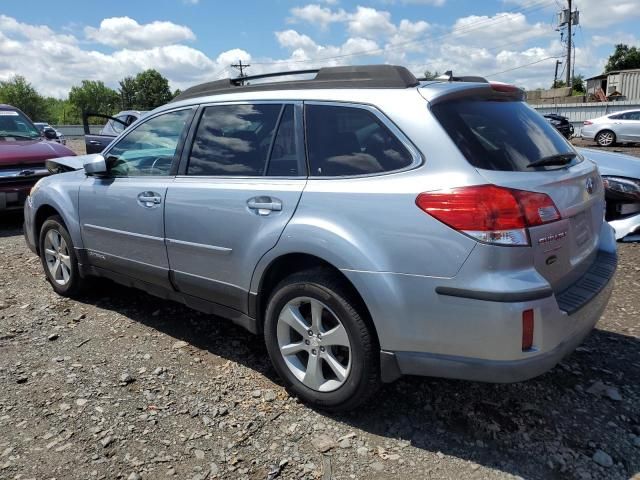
x: 548, y: 427
x: 11, y: 223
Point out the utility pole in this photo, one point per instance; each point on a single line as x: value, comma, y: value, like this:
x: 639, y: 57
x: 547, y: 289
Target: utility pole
x: 241, y: 67
x: 555, y: 75
x: 569, y: 39
x: 568, y: 18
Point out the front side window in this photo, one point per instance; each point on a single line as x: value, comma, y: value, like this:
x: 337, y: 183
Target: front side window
x: 149, y: 149
x: 344, y: 141
x: 235, y: 140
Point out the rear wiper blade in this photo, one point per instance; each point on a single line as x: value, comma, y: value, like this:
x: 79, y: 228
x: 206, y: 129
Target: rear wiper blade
x: 557, y: 159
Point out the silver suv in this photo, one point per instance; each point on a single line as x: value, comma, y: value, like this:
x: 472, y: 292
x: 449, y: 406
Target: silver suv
x: 369, y: 225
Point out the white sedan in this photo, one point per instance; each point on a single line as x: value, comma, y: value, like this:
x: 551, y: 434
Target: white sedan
x: 623, y: 127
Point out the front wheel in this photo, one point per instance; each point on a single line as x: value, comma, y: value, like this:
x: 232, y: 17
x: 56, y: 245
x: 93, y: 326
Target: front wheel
x: 319, y: 342
x: 606, y: 138
x: 59, y: 257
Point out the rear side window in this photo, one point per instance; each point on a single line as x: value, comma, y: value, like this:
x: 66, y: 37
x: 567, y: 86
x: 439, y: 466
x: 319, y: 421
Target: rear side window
x: 500, y: 135
x: 344, y: 141
x: 234, y: 140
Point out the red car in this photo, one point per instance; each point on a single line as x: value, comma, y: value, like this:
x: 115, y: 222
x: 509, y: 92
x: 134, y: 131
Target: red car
x: 23, y: 151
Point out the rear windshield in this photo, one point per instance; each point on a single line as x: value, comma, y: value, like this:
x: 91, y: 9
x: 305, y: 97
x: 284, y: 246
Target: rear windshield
x: 501, y: 135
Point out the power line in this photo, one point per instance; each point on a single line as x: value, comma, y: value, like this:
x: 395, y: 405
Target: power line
x: 455, y: 32
x: 523, y: 66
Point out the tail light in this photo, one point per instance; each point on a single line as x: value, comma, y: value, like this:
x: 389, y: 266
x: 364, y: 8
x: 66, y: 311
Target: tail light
x: 489, y: 213
x: 587, y: 122
x: 503, y: 87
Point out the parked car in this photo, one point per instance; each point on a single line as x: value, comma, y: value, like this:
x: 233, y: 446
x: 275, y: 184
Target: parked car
x: 23, y: 151
x: 44, y: 127
x: 618, y: 127
x: 366, y: 224
x: 562, y: 124
x: 115, y: 126
x: 621, y: 177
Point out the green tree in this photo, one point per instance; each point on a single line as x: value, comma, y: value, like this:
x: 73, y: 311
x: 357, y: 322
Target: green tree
x: 177, y: 92
x: 577, y: 83
x: 623, y: 58
x: 128, y: 90
x: 152, y: 90
x: 21, y: 94
x: 428, y: 75
x: 94, y: 97
x: 146, y: 91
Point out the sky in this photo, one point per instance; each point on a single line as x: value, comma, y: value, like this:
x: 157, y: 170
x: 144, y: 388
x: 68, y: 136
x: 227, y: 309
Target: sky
x: 57, y: 44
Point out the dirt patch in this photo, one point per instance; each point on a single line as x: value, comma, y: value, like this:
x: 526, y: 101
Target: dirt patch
x: 119, y: 384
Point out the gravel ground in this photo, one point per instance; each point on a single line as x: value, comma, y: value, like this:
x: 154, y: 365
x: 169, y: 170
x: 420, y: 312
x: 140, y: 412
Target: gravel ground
x: 119, y: 384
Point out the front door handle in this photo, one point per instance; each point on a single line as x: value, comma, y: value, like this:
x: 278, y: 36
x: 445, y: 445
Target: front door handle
x: 264, y: 205
x: 94, y: 142
x: 149, y: 199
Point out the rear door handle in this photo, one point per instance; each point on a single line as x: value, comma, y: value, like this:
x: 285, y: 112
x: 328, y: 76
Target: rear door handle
x: 149, y: 199
x: 94, y: 142
x: 264, y: 205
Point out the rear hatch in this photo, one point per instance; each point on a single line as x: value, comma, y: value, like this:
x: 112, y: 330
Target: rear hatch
x: 514, y: 147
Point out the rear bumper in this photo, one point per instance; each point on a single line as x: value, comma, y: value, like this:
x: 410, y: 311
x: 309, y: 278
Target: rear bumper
x: 470, y: 326
x: 396, y: 364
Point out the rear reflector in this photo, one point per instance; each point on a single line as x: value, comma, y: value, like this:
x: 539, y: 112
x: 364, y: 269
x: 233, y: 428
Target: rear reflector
x: 587, y: 122
x: 490, y: 213
x: 527, y: 330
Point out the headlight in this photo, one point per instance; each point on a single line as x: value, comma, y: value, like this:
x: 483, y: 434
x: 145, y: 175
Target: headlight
x: 624, y: 188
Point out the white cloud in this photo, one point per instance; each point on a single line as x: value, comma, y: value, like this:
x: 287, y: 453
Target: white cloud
x: 596, y: 13
x: 504, y: 26
x: 126, y: 32
x: 370, y: 23
x: 318, y: 15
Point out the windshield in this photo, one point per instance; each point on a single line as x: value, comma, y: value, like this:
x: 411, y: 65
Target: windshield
x: 503, y: 135
x: 15, y: 126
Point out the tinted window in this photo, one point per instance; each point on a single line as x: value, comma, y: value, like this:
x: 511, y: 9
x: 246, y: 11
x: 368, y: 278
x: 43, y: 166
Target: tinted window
x: 500, y: 135
x: 633, y: 116
x: 233, y: 140
x: 350, y: 141
x: 284, y: 153
x: 150, y: 148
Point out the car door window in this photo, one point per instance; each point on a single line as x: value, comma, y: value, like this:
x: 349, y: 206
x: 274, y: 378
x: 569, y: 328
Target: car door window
x: 343, y: 141
x: 233, y: 140
x: 634, y: 116
x: 149, y: 149
x: 284, y: 158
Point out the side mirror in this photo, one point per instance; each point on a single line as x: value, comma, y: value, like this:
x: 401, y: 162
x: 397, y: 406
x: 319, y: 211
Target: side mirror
x: 50, y: 134
x: 95, y: 165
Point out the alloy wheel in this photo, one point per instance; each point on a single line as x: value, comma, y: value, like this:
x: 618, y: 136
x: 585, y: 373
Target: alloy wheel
x: 56, y: 255
x: 314, y: 344
x: 605, y: 139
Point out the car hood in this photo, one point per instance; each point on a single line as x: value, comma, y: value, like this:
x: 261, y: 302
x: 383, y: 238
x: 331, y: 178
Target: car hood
x: 613, y: 164
x: 30, y: 152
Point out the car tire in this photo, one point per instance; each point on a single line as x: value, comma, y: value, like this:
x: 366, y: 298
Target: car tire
x: 58, y: 257
x: 606, y: 138
x: 311, y: 357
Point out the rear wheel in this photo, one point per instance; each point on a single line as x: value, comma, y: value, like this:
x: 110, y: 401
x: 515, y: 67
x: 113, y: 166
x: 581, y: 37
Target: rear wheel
x: 606, y: 138
x: 319, y: 342
x: 59, y: 258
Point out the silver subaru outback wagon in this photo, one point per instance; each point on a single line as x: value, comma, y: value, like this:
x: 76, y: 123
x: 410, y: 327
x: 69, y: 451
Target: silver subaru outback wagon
x: 368, y: 224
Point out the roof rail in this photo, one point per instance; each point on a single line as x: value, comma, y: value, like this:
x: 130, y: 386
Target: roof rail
x: 448, y: 77
x: 358, y: 76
